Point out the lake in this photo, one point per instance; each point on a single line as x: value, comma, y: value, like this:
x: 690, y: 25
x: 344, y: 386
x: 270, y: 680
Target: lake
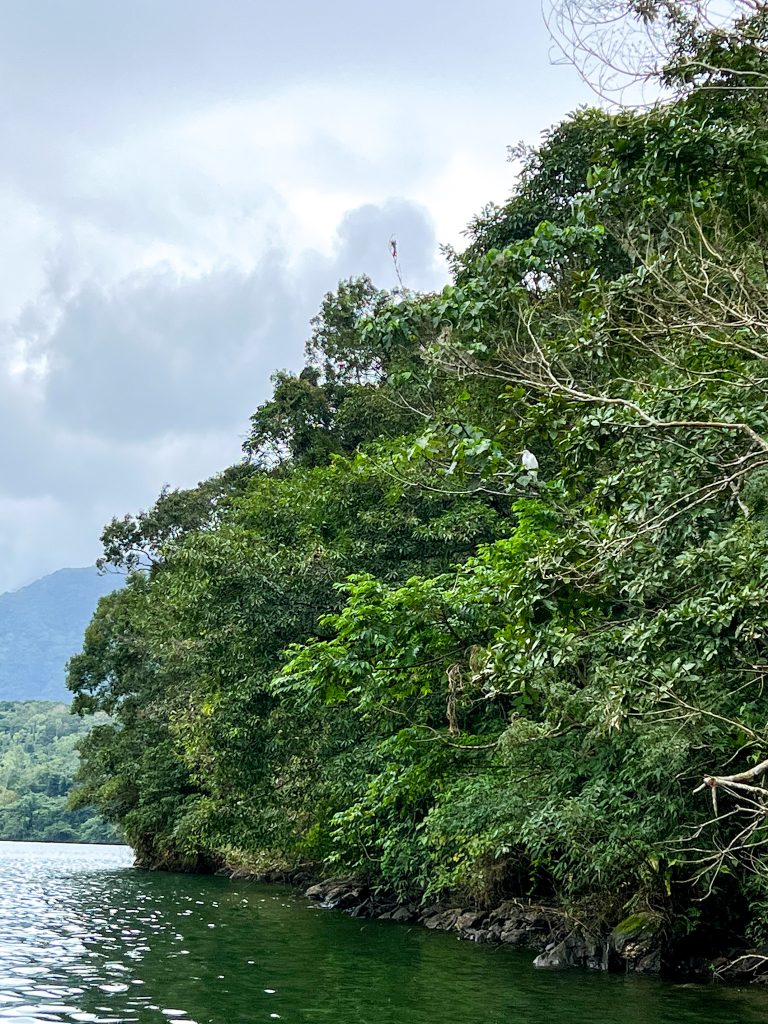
x: 84, y: 937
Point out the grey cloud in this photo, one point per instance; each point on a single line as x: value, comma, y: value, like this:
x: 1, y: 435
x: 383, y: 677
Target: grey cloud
x: 54, y: 518
x: 152, y: 380
x: 189, y: 51
x: 156, y: 352
x: 119, y: 151
x: 364, y: 235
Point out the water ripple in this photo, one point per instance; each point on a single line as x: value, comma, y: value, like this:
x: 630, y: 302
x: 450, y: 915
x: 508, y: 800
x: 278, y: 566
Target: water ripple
x: 84, y: 938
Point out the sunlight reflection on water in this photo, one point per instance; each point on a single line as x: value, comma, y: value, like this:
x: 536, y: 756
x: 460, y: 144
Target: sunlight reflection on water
x: 83, y: 937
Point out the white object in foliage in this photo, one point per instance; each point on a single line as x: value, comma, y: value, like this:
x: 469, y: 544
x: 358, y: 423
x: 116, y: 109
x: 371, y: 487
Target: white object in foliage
x: 530, y: 462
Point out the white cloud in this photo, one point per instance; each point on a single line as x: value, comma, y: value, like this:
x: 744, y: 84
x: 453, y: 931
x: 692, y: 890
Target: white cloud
x: 150, y: 378
x: 180, y: 185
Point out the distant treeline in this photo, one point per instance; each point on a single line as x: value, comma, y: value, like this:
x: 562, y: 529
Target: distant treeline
x: 38, y: 760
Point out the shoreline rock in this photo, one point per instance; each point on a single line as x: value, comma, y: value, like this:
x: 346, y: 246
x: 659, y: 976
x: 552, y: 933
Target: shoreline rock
x: 638, y: 945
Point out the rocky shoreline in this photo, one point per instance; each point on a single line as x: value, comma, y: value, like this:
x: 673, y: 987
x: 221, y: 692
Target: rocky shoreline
x: 637, y: 945
x: 634, y: 947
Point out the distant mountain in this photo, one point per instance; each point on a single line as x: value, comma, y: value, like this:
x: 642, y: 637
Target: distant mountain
x: 42, y: 626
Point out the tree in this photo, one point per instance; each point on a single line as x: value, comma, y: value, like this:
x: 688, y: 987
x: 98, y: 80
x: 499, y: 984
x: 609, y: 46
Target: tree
x: 390, y: 647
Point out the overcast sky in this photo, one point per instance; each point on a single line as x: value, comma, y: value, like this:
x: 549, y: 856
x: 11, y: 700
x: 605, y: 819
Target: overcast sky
x: 180, y: 183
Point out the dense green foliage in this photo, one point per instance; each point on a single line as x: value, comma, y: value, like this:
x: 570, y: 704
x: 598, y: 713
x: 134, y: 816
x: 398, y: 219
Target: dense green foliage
x: 41, y: 627
x: 38, y: 760
x: 385, y: 645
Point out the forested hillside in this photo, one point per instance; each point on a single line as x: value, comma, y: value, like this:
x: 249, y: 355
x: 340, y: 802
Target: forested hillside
x: 38, y: 760
x: 42, y: 626
x: 487, y: 599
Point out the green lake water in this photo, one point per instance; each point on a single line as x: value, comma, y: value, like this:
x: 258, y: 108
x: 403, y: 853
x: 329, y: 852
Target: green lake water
x: 84, y: 937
